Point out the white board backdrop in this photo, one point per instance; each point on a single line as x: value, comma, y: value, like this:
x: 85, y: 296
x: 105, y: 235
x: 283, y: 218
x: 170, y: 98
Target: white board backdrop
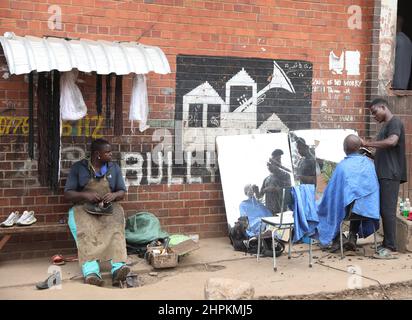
x: 243, y: 160
x: 328, y: 142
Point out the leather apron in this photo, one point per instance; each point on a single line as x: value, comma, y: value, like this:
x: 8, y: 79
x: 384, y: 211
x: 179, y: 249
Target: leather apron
x: 100, y: 237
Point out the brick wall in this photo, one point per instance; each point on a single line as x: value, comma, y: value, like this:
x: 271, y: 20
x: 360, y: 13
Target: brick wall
x: 218, y: 39
x: 380, y: 71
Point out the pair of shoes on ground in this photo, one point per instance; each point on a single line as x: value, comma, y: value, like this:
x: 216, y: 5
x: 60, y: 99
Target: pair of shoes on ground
x: 26, y: 219
x: 119, y: 276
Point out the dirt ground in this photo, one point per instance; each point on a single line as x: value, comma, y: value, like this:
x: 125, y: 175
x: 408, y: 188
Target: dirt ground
x: 354, y: 277
x: 394, y: 291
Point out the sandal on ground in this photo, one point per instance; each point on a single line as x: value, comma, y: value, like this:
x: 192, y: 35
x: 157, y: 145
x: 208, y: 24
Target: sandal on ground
x: 51, y: 281
x: 58, y: 260
x: 385, y: 254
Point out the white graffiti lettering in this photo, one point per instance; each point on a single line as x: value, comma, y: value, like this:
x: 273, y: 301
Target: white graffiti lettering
x: 55, y: 20
x: 355, y: 20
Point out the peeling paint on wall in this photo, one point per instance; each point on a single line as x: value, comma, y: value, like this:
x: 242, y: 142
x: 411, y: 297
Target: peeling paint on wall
x: 348, y: 61
x: 387, y: 44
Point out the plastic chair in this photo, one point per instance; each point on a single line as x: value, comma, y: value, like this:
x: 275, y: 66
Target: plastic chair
x: 282, y: 221
x: 351, y: 216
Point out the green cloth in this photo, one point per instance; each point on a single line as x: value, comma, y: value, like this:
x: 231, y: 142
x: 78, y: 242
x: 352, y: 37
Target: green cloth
x: 142, y: 228
x: 175, y: 239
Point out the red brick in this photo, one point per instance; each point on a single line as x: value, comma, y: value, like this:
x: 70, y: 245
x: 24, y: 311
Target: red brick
x: 189, y: 229
x: 212, y: 234
x: 178, y: 212
x: 205, y: 195
x: 172, y: 229
x: 175, y: 204
x: 152, y: 205
x: 213, y: 203
x: 14, y: 192
x: 28, y: 200
x: 21, y: 24
x: 214, y: 219
x: 194, y: 203
x: 189, y: 195
x: 194, y: 187
x: 15, y: 202
x: 81, y: 28
x: 20, y: 5
x: 204, y: 211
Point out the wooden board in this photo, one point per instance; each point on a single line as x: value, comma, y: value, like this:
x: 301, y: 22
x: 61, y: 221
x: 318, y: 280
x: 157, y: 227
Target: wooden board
x: 185, y: 247
x: 35, y: 228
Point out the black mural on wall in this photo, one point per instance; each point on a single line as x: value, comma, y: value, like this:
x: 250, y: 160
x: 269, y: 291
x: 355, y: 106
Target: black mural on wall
x: 214, y: 95
x: 293, y: 107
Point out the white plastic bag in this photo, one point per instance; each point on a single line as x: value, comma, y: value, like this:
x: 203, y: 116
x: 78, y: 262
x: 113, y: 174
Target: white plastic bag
x: 139, y: 104
x: 72, y: 106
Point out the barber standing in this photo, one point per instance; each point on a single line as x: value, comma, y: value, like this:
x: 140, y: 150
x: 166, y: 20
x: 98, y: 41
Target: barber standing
x: 390, y: 163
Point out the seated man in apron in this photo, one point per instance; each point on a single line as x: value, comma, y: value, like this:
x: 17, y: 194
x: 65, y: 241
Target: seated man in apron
x: 96, y: 220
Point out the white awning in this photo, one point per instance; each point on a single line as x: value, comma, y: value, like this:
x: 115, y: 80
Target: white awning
x: 25, y: 54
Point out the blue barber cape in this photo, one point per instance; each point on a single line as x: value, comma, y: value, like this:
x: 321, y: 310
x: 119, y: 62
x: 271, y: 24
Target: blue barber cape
x: 353, y: 179
x: 305, y: 215
x: 254, y: 210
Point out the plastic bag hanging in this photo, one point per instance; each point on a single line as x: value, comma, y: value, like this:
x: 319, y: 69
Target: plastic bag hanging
x: 72, y: 106
x: 139, y: 104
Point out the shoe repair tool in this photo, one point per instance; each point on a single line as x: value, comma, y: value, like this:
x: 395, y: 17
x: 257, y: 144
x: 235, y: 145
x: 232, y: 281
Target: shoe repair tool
x: 165, y: 246
x: 366, y: 152
x: 98, y: 209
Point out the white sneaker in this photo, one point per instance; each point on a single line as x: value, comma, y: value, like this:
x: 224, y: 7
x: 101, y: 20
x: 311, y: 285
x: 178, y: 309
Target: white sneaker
x: 11, y: 220
x: 27, y: 219
x: 24, y: 216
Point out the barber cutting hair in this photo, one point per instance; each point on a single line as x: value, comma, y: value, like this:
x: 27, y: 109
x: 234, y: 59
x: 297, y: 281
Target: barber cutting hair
x: 273, y: 185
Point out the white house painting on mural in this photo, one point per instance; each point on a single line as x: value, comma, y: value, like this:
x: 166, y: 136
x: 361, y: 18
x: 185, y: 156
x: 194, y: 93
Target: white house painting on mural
x: 242, y: 120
